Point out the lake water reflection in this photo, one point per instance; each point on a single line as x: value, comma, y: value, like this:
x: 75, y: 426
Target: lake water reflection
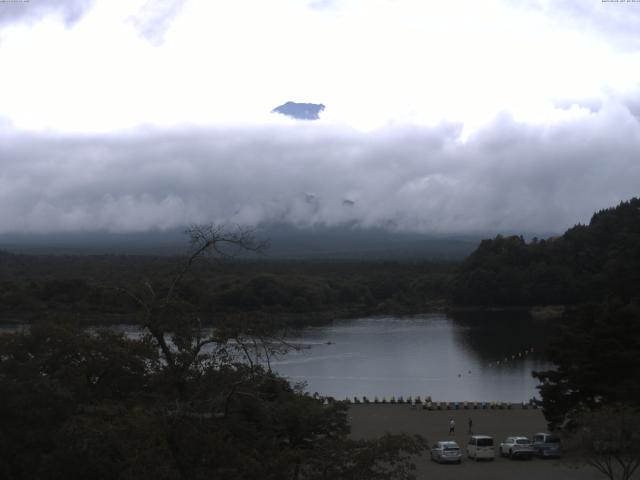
x: 448, y: 358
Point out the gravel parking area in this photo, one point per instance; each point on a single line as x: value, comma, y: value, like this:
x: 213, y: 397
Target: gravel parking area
x: 374, y: 420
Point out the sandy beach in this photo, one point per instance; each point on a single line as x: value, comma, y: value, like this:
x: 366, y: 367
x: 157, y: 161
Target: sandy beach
x: 373, y: 420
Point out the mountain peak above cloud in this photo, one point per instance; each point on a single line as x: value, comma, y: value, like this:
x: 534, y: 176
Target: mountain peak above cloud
x: 300, y: 111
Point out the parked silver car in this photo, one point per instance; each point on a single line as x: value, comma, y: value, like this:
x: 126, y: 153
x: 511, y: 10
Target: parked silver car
x: 546, y: 445
x: 517, y: 447
x: 446, y: 451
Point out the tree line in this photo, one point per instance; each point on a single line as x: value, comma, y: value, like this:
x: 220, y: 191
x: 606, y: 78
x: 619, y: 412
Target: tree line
x: 89, y: 287
x: 590, y: 262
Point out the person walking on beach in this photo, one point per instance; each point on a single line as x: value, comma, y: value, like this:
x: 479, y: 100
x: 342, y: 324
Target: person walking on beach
x: 452, y: 426
x: 470, y: 426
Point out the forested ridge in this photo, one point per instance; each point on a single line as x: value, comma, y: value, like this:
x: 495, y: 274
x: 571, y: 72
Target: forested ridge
x: 587, y: 263
x: 591, y: 262
x: 90, y: 287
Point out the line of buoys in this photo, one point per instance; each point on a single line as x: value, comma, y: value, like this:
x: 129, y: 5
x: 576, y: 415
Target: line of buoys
x: 508, y: 358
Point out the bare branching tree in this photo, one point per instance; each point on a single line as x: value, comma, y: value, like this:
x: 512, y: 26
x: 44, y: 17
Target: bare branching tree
x: 608, y: 439
x: 255, y: 339
x: 167, y: 320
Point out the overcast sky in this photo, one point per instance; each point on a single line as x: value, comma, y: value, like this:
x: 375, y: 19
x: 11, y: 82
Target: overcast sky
x: 491, y: 116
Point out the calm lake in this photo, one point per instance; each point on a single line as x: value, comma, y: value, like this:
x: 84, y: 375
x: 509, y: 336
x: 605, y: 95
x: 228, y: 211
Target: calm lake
x: 465, y: 357
x: 450, y: 359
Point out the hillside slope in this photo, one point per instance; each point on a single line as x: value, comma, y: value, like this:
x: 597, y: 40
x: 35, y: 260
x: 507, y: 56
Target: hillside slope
x: 591, y: 262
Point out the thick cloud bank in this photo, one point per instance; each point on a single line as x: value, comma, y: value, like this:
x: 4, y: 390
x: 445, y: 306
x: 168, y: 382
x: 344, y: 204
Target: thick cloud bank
x: 615, y: 20
x: 155, y: 17
x: 507, y: 177
x: 27, y: 11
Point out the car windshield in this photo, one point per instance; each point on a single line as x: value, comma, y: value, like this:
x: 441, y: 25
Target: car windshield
x: 451, y: 449
x: 522, y: 441
x: 552, y: 440
x: 485, y: 442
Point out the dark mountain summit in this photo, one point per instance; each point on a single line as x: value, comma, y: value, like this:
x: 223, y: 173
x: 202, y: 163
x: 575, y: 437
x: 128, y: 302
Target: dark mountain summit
x: 300, y: 111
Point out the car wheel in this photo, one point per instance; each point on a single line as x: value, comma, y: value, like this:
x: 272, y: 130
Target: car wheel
x: 511, y: 454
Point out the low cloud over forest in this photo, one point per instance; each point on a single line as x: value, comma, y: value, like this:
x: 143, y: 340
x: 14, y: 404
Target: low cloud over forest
x: 505, y: 177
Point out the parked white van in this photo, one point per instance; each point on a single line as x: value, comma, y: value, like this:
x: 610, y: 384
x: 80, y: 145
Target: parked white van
x: 480, y: 446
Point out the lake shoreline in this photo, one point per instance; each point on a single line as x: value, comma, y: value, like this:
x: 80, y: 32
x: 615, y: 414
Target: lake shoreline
x: 535, y: 311
x: 295, y: 319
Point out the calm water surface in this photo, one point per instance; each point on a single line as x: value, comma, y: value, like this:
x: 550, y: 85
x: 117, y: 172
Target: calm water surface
x: 450, y: 359
x: 471, y: 356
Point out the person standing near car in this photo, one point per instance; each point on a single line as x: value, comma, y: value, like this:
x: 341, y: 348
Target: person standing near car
x: 470, y: 426
x: 452, y: 426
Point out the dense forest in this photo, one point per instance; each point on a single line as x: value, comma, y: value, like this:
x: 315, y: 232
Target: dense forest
x: 588, y: 263
x: 91, y: 287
